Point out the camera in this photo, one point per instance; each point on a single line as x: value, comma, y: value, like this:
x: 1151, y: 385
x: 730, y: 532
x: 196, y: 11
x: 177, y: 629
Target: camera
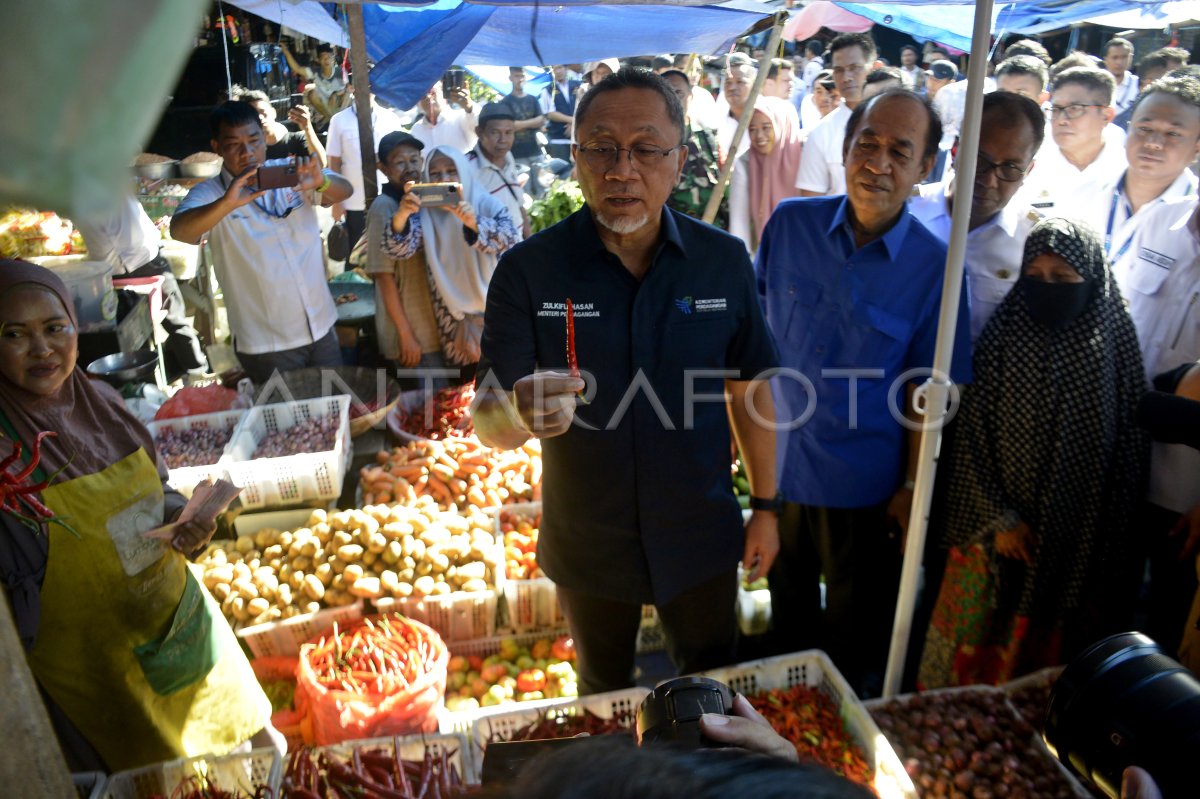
x: 1123, y: 702
x: 669, y: 715
x: 452, y: 81
x: 437, y: 195
x: 671, y: 712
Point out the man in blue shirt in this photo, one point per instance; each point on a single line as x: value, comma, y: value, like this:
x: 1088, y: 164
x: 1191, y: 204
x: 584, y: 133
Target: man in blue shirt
x: 638, y: 506
x: 851, y: 286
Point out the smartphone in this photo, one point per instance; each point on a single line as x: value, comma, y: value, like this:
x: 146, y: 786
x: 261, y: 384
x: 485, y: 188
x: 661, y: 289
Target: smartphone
x: 437, y: 195
x: 452, y: 81
x: 278, y: 177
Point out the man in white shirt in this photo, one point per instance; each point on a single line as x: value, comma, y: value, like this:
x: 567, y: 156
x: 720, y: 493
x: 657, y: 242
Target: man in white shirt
x: 345, y: 158
x: 1010, y: 133
x: 446, y: 125
x: 1024, y: 75
x: 495, y: 168
x: 267, y: 249
x: 1118, y: 58
x: 124, y: 236
x: 914, y: 76
x: 1076, y: 161
x: 1164, y: 139
x: 558, y: 105
x: 821, y: 166
x: 1161, y: 284
x: 781, y: 76
x: 739, y: 77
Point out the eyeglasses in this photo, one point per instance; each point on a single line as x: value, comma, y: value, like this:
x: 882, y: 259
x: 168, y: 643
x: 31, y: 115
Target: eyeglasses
x: 1072, y: 111
x: 1007, y: 171
x: 604, y: 156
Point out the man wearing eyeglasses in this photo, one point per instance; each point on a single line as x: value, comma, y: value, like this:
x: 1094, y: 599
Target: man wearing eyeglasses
x: 1011, y: 131
x: 637, y: 501
x: 1077, y: 160
x: 267, y: 249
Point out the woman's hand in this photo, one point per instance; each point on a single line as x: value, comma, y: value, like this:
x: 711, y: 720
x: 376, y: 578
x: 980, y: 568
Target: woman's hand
x: 410, y: 204
x: 1016, y: 543
x: 192, y: 535
x: 748, y: 730
x: 465, y: 213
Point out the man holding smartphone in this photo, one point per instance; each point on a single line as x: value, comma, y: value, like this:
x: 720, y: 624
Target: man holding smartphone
x: 266, y: 246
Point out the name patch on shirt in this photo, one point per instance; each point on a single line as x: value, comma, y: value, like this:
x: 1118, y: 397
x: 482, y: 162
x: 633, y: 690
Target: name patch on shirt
x: 690, y: 305
x: 1156, y: 258
x: 581, y: 309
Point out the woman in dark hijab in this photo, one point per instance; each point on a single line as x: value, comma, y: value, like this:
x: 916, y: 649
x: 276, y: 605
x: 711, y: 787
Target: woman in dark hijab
x: 1043, y: 473
x: 133, y: 657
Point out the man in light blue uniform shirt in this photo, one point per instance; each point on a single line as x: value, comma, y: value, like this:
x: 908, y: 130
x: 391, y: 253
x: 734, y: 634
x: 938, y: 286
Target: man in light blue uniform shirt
x: 1010, y: 134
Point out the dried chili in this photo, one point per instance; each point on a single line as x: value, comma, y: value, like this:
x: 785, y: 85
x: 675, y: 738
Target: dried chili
x: 373, y: 772
x: 810, y: 721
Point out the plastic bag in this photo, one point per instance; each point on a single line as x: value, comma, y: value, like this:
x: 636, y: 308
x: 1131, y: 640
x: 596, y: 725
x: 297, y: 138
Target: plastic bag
x: 334, y: 716
x: 192, y: 400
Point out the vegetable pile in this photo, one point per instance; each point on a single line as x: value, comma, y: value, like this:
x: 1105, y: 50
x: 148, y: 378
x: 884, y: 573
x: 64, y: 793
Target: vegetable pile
x: 316, y: 434
x: 444, y: 414
x: 372, y: 772
x: 520, y: 531
x: 456, y: 472
x: 561, y: 724
x: 969, y: 743
x: 809, y: 720
x: 337, y: 558
x: 515, y: 673
x: 198, y: 446
x: 1032, y: 698
x: 372, y: 660
x: 561, y: 200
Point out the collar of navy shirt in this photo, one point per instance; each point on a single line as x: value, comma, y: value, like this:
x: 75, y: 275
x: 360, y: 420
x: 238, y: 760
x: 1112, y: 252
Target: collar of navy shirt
x: 590, y: 242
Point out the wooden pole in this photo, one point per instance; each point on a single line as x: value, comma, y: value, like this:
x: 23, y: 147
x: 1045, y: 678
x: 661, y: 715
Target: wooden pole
x: 32, y: 760
x: 764, y: 63
x: 362, y: 100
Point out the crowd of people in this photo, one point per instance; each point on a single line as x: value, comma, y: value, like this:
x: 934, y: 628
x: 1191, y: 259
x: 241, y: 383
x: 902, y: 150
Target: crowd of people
x: 797, y: 329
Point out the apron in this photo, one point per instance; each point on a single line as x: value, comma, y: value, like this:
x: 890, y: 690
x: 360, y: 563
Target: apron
x: 131, y: 646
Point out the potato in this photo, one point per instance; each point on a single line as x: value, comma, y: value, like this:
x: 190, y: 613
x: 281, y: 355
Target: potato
x: 244, y: 544
x: 285, y: 539
x: 218, y: 574
x: 388, y: 579
x: 311, y: 607
x: 403, y: 590
x: 265, y: 538
x: 244, y: 588
x: 341, y: 538
x: 220, y: 591
x: 367, y: 588
x: 302, y: 563
x: 309, y: 548
x: 376, y: 543
x: 238, y: 607
x: 257, y: 607
x: 339, y: 583
x: 475, y: 585
x: 391, y: 553
x: 439, y: 561
x: 318, y: 516
x: 369, y: 558
x: 324, y: 573
x: 284, y: 595
x: 476, y: 570
x: 314, y: 587
x: 442, y: 589
x: 352, y: 574
x: 423, y: 585
x: 216, y: 555
x: 351, y: 553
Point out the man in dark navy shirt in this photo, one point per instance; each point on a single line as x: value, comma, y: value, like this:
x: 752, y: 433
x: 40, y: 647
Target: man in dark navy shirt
x: 852, y: 287
x: 638, y: 506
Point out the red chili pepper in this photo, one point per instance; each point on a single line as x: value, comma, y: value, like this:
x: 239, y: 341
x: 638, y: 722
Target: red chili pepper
x: 572, y: 358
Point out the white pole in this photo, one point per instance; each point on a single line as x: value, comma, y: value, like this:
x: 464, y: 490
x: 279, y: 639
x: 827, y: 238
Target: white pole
x: 934, y: 393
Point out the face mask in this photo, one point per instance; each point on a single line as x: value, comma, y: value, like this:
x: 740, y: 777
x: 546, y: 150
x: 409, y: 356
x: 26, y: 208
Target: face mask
x: 1056, y: 305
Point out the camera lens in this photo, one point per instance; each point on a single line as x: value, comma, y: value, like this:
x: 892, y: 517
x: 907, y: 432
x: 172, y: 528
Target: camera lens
x: 671, y: 713
x: 1124, y: 702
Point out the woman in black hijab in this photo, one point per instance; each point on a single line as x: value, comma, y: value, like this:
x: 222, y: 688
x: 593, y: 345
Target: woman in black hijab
x: 1044, y: 471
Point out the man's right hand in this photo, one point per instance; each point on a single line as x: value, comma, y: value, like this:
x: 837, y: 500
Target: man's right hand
x: 747, y: 729
x: 546, y: 402
x: 240, y: 191
x: 410, y: 350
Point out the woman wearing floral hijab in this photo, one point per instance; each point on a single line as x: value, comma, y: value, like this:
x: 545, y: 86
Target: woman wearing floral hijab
x: 1043, y: 473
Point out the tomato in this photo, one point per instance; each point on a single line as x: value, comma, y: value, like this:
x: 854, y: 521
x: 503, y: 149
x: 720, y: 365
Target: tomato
x: 531, y: 680
x: 564, y: 648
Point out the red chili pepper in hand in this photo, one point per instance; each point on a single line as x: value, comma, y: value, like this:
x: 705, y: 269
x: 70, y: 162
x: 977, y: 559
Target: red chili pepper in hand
x: 572, y: 356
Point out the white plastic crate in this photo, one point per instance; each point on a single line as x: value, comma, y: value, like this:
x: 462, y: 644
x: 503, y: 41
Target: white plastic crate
x: 490, y: 646
x: 233, y: 773
x: 533, y: 605
x: 293, y: 478
x: 502, y: 721
x: 814, y: 669
x: 1036, y: 748
x: 186, y: 478
x: 413, y: 747
x: 285, y: 637
x: 458, y: 616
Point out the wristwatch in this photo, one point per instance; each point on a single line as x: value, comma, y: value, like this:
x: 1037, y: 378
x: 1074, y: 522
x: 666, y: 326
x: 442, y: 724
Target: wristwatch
x: 774, y: 504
